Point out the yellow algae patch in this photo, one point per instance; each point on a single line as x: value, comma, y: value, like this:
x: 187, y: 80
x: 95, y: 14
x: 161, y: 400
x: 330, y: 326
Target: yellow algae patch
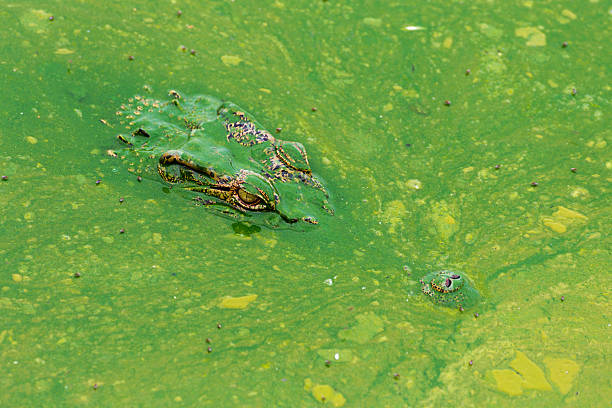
x: 229, y: 302
x: 231, y: 60
x: 508, y: 381
x: 535, y: 38
x: 35, y: 20
x: 533, y: 376
x: 553, y: 225
x: 448, y: 42
x: 561, y: 218
x: 441, y: 218
x: 413, y: 184
x: 562, y: 372
x: 64, y: 51
x: 17, y: 277
x: 374, y: 22
x: 568, y: 214
x: 568, y: 14
x: 324, y: 393
x: 394, y: 214
x: 31, y: 139
x: 388, y: 107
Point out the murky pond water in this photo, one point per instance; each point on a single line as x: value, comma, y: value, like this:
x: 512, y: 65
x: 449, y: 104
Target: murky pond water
x: 471, y: 136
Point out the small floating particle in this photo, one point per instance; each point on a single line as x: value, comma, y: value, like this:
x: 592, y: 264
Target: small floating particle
x: 95, y: 387
x: 471, y: 363
x: 564, y: 44
x: 573, y: 170
x: 278, y: 130
x: 574, y: 92
x: 51, y: 18
x: 209, y: 349
x: 121, y: 199
x: 461, y: 309
x: 327, y: 363
x: 413, y: 28
x: 396, y: 376
x: 183, y: 48
x: 4, y: 178
x: 408, y: 144
x: 179, y: 13
x: 447, y: 102
x: 104, y: 122
x: 534, y: 184
x: 218, y: 325
x: 77, y: 275
x: 122, y: 231
x: 111, y: 153
x: 467, y: 72
x: 131, y: 58
x: 314, y: 109
x: 192, y: 52
x: 562, y: 298
x: 139, y: 178
x: 98, y: 182
x: 497, y: 166
x: 208, y: 340
x: 476, y: 315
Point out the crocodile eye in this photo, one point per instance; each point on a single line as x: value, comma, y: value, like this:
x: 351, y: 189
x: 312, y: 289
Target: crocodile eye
x: 455, y: 277
x: 248, y: 198
x: 447, y: 283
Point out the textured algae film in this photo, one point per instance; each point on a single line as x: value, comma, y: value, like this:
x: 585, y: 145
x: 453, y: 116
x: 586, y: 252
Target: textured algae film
x: 444, y: 240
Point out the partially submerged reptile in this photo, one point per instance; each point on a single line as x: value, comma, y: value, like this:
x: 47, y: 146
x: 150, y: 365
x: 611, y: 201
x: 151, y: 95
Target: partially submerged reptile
x: 220, y: 152
x: 450, y: 289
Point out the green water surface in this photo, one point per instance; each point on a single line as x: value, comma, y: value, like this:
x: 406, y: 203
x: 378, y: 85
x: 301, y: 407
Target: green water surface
x: 334, y: 315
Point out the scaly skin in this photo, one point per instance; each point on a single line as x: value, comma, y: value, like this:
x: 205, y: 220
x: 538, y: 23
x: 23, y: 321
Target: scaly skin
x: 214, y: 148
x: 450, y: 289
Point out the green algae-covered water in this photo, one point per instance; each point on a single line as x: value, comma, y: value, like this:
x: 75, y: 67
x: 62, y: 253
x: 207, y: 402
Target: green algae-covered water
x: 471, y: 136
